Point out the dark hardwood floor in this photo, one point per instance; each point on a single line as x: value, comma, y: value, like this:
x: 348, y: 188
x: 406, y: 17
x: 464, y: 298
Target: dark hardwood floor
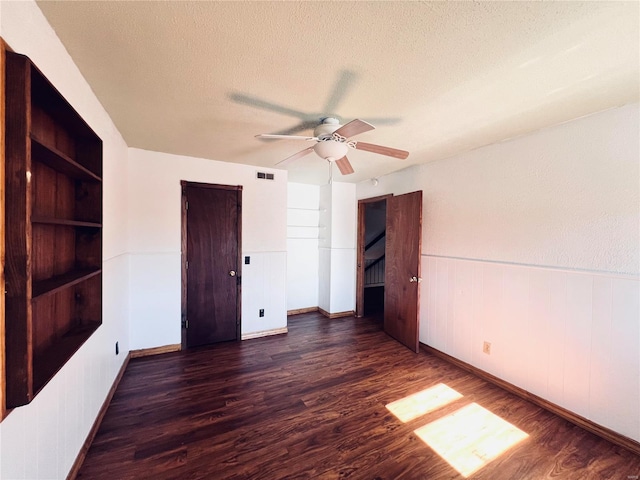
x: 312, y: 404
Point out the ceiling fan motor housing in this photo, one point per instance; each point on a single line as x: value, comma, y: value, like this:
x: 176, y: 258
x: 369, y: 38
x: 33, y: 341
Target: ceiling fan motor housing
x: 326, y: 128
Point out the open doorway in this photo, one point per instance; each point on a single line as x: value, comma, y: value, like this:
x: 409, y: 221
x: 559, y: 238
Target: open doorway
x: 396, y: 222
x: 372, y: 219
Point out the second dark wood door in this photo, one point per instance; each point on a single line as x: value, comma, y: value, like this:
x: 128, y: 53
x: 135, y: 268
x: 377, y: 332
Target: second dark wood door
x: 402, y: 269
x: 212, y: 268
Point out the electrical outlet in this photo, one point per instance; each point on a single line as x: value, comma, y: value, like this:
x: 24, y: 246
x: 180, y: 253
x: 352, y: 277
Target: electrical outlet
x: 261, y: 313
x: 117, y: 348
x: 486, y: 348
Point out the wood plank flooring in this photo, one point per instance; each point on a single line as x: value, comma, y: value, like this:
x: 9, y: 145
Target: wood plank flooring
x: 312, y: 404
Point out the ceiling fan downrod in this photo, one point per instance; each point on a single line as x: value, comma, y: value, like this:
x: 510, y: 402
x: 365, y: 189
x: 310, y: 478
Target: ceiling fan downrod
x: 330, y: 171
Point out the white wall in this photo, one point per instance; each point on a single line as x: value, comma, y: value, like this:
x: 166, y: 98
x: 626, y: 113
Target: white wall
x: 337, y: 248
x: 303, y: 231
x: 41, y: 440
x: 566, y: 196
x: 533, y: 245
x: 154, y: 215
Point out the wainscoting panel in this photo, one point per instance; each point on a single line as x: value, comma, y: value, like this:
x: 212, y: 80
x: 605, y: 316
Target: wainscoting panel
x: 570, y: 337
x: 264, y: 287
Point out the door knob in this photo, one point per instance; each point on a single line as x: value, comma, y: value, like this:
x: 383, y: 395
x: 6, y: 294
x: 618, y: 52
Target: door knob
x: 415, y: 279
x: 232, y: 273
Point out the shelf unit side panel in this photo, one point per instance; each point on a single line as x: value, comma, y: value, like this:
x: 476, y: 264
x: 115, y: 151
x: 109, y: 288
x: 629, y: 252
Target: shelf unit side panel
x: 18, y: 320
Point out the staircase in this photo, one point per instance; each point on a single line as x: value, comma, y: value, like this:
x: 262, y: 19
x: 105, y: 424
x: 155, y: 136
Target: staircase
x: 374, y: 267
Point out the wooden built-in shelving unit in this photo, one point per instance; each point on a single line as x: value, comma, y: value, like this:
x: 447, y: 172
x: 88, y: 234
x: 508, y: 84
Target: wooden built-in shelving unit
x: 53, y: 235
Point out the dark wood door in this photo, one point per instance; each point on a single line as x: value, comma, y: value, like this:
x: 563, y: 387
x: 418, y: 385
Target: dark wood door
x: 211, y: 254
x: 402, y: 271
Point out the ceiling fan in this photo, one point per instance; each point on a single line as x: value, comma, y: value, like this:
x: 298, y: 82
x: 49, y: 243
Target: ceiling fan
x: 332, y: 141
x: 308, y: 120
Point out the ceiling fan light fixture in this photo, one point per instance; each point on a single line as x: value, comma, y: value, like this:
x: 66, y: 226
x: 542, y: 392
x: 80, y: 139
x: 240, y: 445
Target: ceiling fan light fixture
x: 331, y: 150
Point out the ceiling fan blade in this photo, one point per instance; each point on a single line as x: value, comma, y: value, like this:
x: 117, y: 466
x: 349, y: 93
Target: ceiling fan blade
x: 388, y: 151
x: 340, y: 89
x: 354, y: 127
x: 344, y: 166
x: 295, y: 156
x: 259, y: 103
x: 303, y: 125
x: 383, y: 120
x: 286, y: 137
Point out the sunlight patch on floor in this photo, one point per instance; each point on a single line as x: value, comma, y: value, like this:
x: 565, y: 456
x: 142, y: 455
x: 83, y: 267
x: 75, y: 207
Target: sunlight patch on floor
x: 470, y: 438
x: 421, y: 403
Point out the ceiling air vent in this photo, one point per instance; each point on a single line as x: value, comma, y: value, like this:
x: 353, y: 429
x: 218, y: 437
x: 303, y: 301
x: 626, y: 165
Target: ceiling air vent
x: 265, y: 176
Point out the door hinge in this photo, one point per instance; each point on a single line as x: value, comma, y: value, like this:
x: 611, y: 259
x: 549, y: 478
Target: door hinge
x: 186, y: 264
x: 186, y: 205
x: 185, y: 323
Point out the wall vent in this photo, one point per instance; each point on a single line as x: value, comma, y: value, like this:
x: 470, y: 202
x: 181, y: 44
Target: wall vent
x: 266, y: 176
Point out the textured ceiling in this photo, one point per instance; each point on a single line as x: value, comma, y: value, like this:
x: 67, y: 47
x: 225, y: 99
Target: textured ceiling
x: 436, y: 78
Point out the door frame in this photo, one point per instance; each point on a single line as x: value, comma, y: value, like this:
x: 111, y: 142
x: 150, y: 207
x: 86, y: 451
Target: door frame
x: 362, y: 205
x: 183, y: 256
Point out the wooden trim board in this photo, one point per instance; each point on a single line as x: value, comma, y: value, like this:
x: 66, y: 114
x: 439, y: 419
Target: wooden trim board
x: 298, y: 311
x: 568, y: 415
x: 265, y: 333
x: 3, y: 409
x: 75, y: 468
x: 348, y: 313
x: 322, y: 311
x: 145, y: 352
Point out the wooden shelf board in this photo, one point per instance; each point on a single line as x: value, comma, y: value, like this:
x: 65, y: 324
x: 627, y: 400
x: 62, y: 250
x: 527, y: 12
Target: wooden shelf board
x: 47, y: 364
x: 53, y: 284
x: 59, y: 161
x: 62, y: 221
